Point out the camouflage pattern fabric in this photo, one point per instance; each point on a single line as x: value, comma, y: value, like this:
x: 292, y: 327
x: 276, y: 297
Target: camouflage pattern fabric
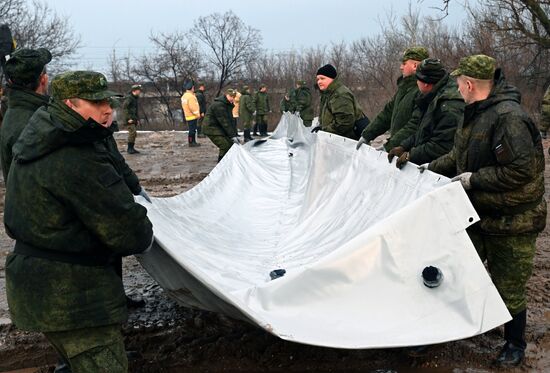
x: 92, y: 350
x: 219, y: 125
x: 26, y: 65
x: 478, y: 66
x: 22, y: 105
x: 130, y: 178
x: 510, y: 263
x: 246, y: 109
x: 303, y: 104
x: 396, y: 114
x: 88, y: 85
x: 415, y: 53
x: 222, y: 142
x: 262, y: 103
x: 438, y: 114
x: 545, y: 111
x: 132, y: 133
x: 65, y: 199
x: 285, y: 105
x: 502, y: 147
x: 339, y: 110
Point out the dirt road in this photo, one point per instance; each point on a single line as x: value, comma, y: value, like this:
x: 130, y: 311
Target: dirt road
x: 170, y: 338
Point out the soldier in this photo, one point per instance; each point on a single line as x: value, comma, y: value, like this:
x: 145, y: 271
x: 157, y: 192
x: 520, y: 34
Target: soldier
x: 191, y: 110
x: 397, y: 112
x: 201, y: 98
x: 285, y: 104
x: 439, y: 110
x: 130, y: 108
x: 27, y: 87
x: 339, y: 108
x: 499, y: 161
x: 64, y: 204
x: 262, y: 109
x: 218, y: 123
x: 302, y: 102
x: 3, y: 104
x: 545, y: 114
x: 246, y: 112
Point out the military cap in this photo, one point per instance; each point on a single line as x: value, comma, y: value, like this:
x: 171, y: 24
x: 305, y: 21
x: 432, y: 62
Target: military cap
x: 26, y: 65
x: 478, y: 66
x: 88, y: 85
x: 301, y: 82
x: 430, y: 70
x: 231, y: 92
x: 415, y: 53
x: 263, y: 85
x: 245, y: 88
x: 135, y: 87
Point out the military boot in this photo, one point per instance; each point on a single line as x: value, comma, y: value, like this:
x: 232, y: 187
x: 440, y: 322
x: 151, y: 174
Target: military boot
x: 513, y: 351
x: 131, y: 149
x: 255, y: 130
x: 263, y: 129
x: 247, y: 136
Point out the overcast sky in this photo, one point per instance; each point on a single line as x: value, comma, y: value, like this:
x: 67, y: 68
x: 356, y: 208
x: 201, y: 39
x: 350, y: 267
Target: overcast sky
x: 284, y: 24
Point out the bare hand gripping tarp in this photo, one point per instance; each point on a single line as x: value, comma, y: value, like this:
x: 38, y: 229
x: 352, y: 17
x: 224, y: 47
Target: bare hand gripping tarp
x: 352, y: 231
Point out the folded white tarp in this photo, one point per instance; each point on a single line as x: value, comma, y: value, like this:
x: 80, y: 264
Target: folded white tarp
x: 352, y: 231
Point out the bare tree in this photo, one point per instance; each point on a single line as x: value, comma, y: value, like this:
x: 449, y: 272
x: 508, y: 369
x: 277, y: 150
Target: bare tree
x: 36, y: 25
x: 230, y: 43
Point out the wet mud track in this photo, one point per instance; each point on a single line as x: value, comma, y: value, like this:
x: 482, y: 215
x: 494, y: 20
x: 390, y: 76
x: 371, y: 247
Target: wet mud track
x: 170, y: 338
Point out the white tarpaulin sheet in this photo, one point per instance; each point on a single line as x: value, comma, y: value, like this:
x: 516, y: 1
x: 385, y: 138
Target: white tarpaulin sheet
x: 352, y: 232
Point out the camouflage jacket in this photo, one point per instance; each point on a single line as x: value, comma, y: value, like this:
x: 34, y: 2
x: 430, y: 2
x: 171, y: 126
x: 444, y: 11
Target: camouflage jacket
x: 72, y: 216
x: 130, y: 108
x: 302, y: 99
x: 22, y: 105
x: 262, y: 103
x: 285, y: 105
x: 339, y: 110
x: 396, y: 115
x: 201, y: 98
x: 219, y: 119
x: 246, y: 108
x: 545, y: 111
x: 502, y: 147
x: 438, y: 114
x: 130, y: 178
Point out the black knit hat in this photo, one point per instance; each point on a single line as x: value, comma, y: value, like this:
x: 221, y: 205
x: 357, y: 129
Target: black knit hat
x: 430, y: 71
x: 328, y: 70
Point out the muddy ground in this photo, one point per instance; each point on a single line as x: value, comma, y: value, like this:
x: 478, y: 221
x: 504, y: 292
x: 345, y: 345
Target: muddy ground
x: 171, y: 338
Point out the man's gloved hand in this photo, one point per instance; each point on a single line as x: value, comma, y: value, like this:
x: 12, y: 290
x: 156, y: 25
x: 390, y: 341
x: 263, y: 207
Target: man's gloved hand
x: 236, y: 140
x: 144, y: 194
x: 402, y: 160
x: 361, y: 142
x: 423, y: 167
x: 315, y: 129
x: 395, y: 152
x: 464, y: 179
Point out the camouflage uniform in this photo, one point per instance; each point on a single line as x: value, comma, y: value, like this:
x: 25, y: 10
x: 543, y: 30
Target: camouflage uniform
x: 24, y: 68
x: 545, y: 111
x: 285, y: 104
x: 303, y: 104
x: 262, y: 109
x: 131, y: 118
x: 218, y: 124
x: 396, y: 115
x: 501, y: 146
x: 64, y: 201
x: 339, y: 110
x: 437, y: 114
x: 246, y: 111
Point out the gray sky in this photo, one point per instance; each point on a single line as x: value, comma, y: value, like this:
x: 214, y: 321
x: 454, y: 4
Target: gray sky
x: 284, y: 24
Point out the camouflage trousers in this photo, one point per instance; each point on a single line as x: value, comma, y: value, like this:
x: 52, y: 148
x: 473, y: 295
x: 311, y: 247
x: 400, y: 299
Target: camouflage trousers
x: 510, y: 263
x: 224, y: 143
x: 132, y: 133
x: 247, y: 124
x: 199, y: 127
x: 93, y: 350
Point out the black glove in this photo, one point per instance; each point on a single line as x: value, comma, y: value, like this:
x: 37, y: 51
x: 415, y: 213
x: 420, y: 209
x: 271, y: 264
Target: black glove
x: 315, y: 129
x: 395, y: 152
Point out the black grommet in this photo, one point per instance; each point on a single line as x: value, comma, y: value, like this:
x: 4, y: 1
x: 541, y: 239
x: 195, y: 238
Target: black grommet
x: 432, y: 276
x: 290, y: 154
x: 276, y: 273
x: 470, y: 219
